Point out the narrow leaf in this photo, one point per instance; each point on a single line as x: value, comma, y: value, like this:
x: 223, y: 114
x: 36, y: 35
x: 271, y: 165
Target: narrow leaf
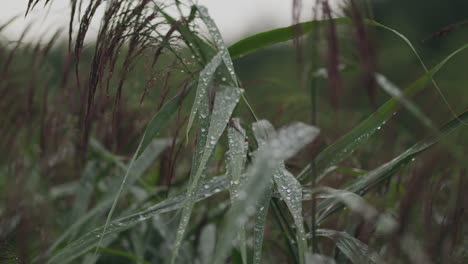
x: 288, y: 142
x: 225, y: 101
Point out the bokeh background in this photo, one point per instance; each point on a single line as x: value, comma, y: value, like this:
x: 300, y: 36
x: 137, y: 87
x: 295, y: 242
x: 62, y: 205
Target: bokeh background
x: 38, y: 109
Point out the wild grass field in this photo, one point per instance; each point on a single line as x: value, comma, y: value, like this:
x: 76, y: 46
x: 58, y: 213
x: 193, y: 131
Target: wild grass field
x: 339, y: 139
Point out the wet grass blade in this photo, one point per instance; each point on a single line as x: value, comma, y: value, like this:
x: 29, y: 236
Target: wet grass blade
x: 385, y: 171
x: 219, y: 42
x: 288, y: 142
x: 290, y: 191
x: 235, y: 164
x: 206, y: 76
x: 263, y: 131
x: 226, y: 100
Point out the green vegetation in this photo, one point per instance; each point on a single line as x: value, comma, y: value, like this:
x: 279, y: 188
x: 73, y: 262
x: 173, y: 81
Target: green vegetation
x: 159, y: 143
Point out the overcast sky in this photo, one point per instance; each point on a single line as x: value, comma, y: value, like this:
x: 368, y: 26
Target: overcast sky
x: 235, y: 18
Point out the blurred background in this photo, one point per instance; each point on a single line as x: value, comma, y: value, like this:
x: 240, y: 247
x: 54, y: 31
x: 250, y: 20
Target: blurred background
x: 39, y: 105
x: 235, y: 19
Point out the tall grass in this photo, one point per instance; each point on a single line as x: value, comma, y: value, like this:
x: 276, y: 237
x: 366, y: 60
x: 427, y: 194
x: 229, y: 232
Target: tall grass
x: 100, y: 157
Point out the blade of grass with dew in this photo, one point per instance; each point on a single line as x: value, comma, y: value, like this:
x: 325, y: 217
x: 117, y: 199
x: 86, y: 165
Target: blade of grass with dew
x: 88, y: 241
x: 288, y: 142
x: 356, y: 251
x: 206, y: 75
x: 291, y: 192
x: 345, y: 146
x: 218, y: 39
x: 263, y: 131
x: 226, y: 100
x: 385, y: 171
x: 235, y: 163
x: 262, y: 206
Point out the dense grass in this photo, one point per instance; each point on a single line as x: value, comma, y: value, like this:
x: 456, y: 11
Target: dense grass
x: 157, y: 144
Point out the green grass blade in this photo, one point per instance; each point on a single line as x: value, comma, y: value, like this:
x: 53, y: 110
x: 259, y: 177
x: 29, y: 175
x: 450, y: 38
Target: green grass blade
x: 275, y: 36
x: 290, y: 191
x: 219, y: 42
x: 261, y: 211
x: 267, y: 38
x: 288, y: 142
x: 235, y: 163
x: 236, y: 156
x: 206, y: 76
x: 225, y: 101
x: 263, y: 131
